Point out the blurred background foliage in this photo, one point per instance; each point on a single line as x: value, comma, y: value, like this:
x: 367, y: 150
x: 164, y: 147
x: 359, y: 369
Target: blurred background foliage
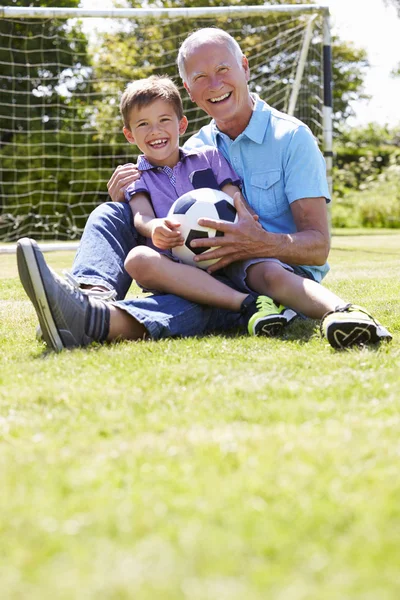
x: 366, y: 159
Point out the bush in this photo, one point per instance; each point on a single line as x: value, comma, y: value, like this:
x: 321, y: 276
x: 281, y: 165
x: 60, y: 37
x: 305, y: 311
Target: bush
x: 377, y: 205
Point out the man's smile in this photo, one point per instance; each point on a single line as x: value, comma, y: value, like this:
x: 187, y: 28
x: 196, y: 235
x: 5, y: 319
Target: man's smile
x: 220, y: 98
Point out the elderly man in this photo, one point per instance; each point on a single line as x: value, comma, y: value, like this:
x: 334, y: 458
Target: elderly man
x: 283, y: 178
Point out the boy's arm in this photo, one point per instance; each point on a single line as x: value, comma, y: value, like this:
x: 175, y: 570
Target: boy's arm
x: 143, y: 213
x: 164, y: 233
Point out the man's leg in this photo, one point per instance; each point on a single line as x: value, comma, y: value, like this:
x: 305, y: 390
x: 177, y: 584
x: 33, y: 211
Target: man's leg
x: 69, y: 318
x: 108, y: 237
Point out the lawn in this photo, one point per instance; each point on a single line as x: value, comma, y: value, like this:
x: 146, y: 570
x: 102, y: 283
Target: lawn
x: 218, y: 468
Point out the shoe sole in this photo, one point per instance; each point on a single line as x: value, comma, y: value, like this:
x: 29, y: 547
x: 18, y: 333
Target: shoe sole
x: 273, y: 328
x: 269, y: 328
x: 30, y: 260
x: 345, y: 335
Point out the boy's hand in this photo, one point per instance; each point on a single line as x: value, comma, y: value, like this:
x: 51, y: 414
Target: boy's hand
x: 165, y: 234
x: 123, y: 176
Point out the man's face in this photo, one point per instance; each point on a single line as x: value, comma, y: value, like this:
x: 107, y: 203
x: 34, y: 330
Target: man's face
x: 216, y: 81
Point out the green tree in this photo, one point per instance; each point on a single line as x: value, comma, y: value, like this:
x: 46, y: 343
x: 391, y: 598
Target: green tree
x: 28, y: 89
x: 349, y: 69
x: 141, y: 49
x: 44, y: 72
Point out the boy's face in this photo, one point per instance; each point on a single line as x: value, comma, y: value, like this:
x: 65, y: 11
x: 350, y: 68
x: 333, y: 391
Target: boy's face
x: 155, y: 129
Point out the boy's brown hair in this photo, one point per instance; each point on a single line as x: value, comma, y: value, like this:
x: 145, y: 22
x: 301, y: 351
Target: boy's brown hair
x: 145, y: 91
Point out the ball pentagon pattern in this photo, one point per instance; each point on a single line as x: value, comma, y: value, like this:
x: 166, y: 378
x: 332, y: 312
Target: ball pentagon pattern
x: 187, y: 209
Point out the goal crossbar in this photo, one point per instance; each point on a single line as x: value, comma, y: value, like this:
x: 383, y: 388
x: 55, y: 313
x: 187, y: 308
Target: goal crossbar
x: 137, y: 13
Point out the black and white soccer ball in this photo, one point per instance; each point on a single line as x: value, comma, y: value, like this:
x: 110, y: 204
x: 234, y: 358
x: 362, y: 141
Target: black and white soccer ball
x: 202, y: 203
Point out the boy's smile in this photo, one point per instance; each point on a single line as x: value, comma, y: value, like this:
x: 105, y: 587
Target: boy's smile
x: 155, y: 129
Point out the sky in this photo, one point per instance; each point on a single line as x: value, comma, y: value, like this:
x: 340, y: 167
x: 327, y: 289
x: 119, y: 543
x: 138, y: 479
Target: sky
x: 371, y: 25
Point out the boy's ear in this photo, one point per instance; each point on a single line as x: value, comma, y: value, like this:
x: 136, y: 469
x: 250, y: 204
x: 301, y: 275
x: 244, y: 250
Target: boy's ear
x: 183, y: 124
x: 128, y: 134
x: 185, y: 85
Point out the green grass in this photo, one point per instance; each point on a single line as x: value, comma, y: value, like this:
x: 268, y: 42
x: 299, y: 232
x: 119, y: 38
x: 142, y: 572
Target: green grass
x: 223, y: 468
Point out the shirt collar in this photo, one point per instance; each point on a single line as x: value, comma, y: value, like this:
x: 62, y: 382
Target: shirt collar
x: 257, y: 125
x: 144, y: 165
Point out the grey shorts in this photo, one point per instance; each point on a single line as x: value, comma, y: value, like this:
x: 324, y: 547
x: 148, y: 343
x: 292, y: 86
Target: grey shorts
x: 237, y: 271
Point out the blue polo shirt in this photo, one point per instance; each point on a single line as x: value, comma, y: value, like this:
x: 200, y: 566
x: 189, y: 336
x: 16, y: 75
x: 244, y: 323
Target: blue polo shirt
x: 278, y: 160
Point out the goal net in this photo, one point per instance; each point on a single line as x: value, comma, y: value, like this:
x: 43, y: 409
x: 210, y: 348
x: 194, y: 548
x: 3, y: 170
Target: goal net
x: 61, y: 77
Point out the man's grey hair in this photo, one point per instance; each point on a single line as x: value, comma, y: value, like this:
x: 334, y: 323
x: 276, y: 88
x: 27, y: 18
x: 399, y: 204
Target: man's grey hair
x: 200, y: 36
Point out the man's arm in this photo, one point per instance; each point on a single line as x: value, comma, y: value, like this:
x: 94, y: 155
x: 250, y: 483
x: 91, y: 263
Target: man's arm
x: 122, y: 177
x: 247, y: 239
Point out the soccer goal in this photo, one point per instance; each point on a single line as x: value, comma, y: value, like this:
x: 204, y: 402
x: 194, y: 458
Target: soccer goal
x: 62, y: 72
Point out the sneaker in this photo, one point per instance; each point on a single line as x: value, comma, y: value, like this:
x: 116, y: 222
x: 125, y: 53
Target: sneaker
x: 267, y: 318
x: 105, y: 295
x: 67, y: 317
x: 352, y: 325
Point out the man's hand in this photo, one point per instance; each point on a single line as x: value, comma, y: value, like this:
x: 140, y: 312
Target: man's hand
x: 242, y: 240
x: 122, y: 177
x: 165, y: 234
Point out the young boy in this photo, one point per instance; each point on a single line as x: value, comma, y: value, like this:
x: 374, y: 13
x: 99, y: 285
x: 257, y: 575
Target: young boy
x: 153, y: 120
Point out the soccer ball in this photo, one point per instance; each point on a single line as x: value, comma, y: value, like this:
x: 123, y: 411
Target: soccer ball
x: 202, y: 203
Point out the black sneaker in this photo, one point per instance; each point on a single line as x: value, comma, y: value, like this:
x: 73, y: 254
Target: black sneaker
x: 352, y: 326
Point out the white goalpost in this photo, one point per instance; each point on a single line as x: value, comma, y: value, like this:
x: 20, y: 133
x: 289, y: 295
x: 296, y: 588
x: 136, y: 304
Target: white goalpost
x: 62, y: 72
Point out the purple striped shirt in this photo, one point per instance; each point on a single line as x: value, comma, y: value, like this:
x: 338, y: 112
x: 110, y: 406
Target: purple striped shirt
x: 195, y: 169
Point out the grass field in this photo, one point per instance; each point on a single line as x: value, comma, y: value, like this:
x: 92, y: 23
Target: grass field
x: 219, y: 468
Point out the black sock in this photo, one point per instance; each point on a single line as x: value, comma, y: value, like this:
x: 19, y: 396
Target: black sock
x: 248, y: 306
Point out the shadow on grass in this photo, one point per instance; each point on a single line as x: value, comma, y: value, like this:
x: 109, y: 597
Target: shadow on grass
x: 364, y: 251
x: 301, y: 330
x: 337, y: 232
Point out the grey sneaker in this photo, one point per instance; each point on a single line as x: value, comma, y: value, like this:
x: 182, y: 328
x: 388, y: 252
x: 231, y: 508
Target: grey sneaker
x: 105, y: 295
x: 67, y: 317
x: 352, y: 326
x: 267, y: 318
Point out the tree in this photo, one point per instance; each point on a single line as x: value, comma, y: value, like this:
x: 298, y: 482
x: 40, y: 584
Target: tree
x: 349, y: 68
x: 39, y: 72
x: 28, y: 91
x: 395, y: 3
x: 142, y: 48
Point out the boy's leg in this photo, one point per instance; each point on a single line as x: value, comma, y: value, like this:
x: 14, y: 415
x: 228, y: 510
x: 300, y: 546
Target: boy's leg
x: 108, y: 237
x: 154, y: 271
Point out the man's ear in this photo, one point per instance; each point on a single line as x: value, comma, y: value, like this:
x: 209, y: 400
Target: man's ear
x: 246, y: 68
x: 128, y: 134
x: 185, y: 85
x: 183, y: 124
